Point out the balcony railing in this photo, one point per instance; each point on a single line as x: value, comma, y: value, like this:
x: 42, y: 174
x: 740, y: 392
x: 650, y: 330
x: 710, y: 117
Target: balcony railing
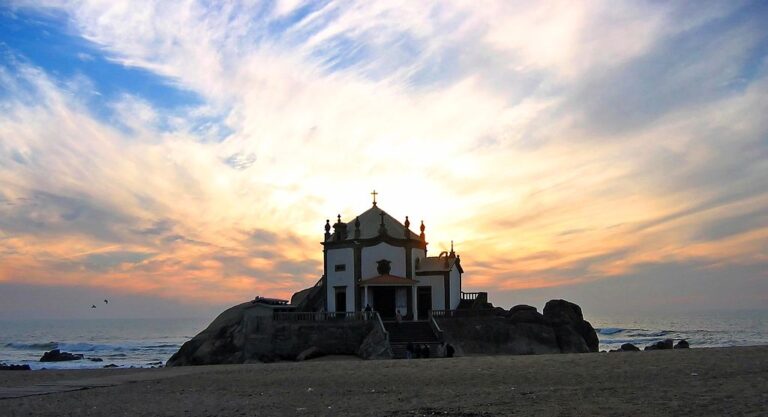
x: 473, y: 295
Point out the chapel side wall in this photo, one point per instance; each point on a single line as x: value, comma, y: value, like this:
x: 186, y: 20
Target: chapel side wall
x: 344, y: 278
x: 455, y: 278
x: 372, y: 254
x: 438, y: 289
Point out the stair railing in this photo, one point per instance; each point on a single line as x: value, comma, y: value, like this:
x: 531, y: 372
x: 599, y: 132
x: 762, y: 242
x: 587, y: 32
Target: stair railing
x: 435, y: 327
x: 381, y: 325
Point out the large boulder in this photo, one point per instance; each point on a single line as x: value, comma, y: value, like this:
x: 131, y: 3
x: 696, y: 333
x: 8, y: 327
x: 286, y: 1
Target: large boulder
x: 565, y: 313
x: 682, y: 344
x: 523, y: 330
x: 56, y: 355
x: 248, y: 333
x: 562, y: 312
x: 221, y: 342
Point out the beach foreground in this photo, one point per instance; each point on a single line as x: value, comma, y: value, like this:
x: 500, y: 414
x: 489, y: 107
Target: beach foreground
x: 717, y: 381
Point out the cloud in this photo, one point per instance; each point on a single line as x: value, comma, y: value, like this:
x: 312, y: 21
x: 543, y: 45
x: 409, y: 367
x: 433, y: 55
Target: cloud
x: 559, y: 145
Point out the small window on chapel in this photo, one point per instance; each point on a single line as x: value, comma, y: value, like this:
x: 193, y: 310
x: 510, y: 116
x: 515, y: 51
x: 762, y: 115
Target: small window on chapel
x: 340, y: 267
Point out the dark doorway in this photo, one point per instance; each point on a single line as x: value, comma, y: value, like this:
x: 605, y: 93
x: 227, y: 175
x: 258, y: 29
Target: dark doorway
x: 424, y: 300
x: 384, y: 302
x: 341, y: 300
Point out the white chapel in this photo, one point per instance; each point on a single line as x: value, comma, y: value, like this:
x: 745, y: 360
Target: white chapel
x: 374, y: 260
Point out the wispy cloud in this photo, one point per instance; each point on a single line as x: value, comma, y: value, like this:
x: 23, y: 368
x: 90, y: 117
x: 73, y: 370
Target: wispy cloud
x: 558, y: 144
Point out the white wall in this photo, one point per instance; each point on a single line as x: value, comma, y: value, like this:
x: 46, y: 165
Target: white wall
x: 346, y: 278
x: 438, y: 290
x: 416, y: 253
x: 372, y: 254
x: 455, y: 278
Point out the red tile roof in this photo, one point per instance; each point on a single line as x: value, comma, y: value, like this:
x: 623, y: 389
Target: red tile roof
x: 387, y: 280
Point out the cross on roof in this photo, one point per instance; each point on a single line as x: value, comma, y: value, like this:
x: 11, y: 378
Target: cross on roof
x: 374, y: 194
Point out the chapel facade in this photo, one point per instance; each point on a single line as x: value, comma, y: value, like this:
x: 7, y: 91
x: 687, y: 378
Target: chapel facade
x: 374, y: 260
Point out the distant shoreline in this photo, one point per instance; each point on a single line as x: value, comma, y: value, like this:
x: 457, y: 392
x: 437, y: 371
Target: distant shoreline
x: 705, y: 381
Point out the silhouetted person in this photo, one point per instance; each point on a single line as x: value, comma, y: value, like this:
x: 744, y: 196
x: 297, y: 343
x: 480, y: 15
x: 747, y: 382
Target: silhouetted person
x: 425, y: 351
x: 449, y: 351
x: 409, y: 350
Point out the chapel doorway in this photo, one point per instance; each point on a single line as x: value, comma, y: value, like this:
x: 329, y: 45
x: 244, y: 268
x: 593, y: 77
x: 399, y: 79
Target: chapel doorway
x: 424, y: 300
x: 341, y: 299
x: 384, y: 302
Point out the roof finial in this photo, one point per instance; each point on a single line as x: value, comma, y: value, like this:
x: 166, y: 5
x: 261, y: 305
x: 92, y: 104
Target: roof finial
x: 374, y: 194
x: 357, y: 227
x: 338, y: 218
x: 422, y: 231
x: 452, y: 254
x: 327, y: 229
x: 407, y: 227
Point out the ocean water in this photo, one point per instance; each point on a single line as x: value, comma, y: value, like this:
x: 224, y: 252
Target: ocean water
x: 151, y: 342
x: 123, y: 342
x: 700, y: 329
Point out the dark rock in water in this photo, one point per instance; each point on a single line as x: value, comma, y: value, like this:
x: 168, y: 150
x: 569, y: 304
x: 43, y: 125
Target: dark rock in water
x: 155, y: 363
x: 56, y: 355
x: 661, y: 345
x: 682, y: 344
x: 629, y: 347
x: 96, y: 359
x: 111, y: 365
x: 4, y: 367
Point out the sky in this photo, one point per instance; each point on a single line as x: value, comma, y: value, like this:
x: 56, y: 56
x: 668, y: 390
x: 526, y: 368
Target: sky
x: 178, y: 157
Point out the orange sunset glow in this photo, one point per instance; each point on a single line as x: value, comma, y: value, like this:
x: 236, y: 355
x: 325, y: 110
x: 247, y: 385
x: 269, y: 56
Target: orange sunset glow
x: 613, y: 153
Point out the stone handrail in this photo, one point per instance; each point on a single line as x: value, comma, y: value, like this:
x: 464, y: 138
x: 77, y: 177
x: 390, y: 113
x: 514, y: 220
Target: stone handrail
x: 459, y: 313
x: 323, y: 316
x: 381, y: 325
x: 435, y: 327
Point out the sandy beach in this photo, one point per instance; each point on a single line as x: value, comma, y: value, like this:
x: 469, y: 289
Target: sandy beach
x: 718, y: 381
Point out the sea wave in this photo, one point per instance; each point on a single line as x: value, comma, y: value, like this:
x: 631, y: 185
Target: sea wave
x: 610, y: 330
x: 91, y: 347
x: 32, y: 346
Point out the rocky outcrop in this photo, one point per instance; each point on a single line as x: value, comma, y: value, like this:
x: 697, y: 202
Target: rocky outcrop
x: 247, y: 333
x: 56, y: 355
x: 682, y: 344
x: 522, y: 330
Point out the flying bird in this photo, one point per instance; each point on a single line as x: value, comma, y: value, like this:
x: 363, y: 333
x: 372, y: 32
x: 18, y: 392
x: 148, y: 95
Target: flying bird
x: 93, y: 306
x: 106, y: 301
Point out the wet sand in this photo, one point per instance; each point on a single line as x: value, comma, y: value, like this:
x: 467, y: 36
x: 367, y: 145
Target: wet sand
x: 696, y: 382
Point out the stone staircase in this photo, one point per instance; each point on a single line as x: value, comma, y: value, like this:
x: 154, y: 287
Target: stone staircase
x: 416, y: 332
